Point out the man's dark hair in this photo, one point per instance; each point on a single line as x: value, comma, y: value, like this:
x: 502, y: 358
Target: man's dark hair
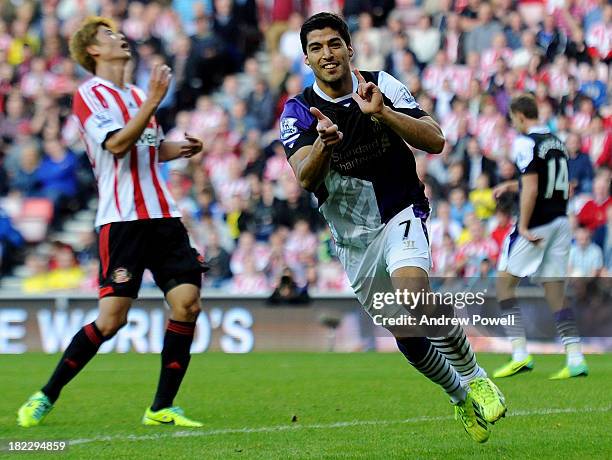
x: 525, y: 104
x: 321, y: 21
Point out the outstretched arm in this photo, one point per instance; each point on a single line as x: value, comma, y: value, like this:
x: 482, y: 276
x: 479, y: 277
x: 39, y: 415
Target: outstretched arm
x: 508, y: 186
x: 423, y: 133
x: 169, y: 150
x: 311, y: 162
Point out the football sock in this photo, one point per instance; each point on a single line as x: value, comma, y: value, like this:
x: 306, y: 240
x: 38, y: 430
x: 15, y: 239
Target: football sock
x: 428, y: 361
x: 175, y: 358
x: 456, y: 348
x: 515, y: 332
x: 82, y: 348
x: 568, y: 331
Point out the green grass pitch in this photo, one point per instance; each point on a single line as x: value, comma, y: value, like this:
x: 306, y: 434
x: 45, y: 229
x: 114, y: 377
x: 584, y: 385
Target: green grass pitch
x: 306, y: 406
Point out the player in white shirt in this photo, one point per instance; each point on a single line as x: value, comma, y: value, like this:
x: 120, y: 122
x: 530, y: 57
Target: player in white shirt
x: 138, y: 221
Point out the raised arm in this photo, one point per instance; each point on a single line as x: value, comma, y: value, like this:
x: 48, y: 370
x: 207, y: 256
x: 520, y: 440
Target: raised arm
x: 121, y: 141
x: 422, y: 133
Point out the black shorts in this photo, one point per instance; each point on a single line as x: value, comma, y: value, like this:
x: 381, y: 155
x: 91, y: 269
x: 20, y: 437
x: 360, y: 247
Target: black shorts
x: 160, y: 245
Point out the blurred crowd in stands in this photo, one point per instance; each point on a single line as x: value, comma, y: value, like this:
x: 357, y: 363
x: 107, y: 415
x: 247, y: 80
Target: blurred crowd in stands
x: 235, y: 63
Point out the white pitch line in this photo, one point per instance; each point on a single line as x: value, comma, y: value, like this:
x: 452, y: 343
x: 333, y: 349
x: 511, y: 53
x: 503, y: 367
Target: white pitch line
x: 317, y: 426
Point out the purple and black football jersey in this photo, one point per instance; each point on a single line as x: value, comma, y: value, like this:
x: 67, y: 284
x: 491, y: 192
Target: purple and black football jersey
x: 372, y: 174
x: 540, y: 152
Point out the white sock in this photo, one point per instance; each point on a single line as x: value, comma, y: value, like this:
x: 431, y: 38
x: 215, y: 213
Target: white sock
x: 519, y: 348
x: 458, y: 395
x: 478, y: 372
x: 574, y: 354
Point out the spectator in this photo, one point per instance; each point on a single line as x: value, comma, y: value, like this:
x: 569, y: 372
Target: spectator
x: 586, y: 258
x: 295, y: 206
x: 249, y: 249
x: 301, y: 242
x: 598, y: 37
x: 513, y: 30
x: 218, y: 259
x: 23, y: 45
x: 61, y: 272
x: 549, y: 39
x: 478, y: 248
x: 366, y: 56
x: 264, y: 212
x: 444, y: 256
x: 208, y: 54
x: 593, y: 213
x: 522, y: 56
x: 442, y: 225
x: 569, y: 101
x: 579, y: 166
x: 11, y: 243
x: 480, y: 37
x: 290, y: 45
x: 594, y: 88
x: 226, y: 25
x: 598, y: 143
x: 582, y: 118
x: 287, y: 291
x: 602, y: 237
x: 260, y: 105
x: 503, y: 223
x: 576, y: 49
x: 482, y: 199
x: 14, y: 121
x: 424, y: 40
x: 57, y: 174
x: 476, y: 164
x: 37, y: 267
x: 459, y: 205
x: 250, y: 280
x: 254, y: 161
x: 26, y: 179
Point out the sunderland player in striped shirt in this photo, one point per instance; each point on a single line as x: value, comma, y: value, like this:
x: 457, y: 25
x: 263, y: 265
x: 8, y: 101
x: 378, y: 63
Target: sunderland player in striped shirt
x: 346, y: 138
x: 138, y: 221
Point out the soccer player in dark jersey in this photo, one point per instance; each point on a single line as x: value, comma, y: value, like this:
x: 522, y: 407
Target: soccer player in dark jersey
x: 540, y: 243
x: 346, y: 139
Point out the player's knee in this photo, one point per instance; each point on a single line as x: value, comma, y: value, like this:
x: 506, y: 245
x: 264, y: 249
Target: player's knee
x: 188, y: 308
x: 194, y: 309
x: 108, y: 327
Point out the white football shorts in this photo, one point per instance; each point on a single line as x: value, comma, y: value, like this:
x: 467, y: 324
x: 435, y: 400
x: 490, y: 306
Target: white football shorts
x: 403, y: 242
x: 547, y: 259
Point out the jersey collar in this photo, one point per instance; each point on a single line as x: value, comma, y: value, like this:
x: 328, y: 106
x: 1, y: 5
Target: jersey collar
x: 319, y: 92
x: 540, y: 129
x: 112, y: 85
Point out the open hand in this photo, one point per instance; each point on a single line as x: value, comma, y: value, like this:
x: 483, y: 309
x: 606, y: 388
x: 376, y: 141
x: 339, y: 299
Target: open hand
x: 368, y: 96
x: 532, y: 238
x: 327, y: 129
x: 192, y: 146
x: 500, y: 189
x: 159, y: 82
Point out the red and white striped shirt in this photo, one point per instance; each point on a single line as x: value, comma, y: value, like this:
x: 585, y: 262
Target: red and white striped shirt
x: 129, y: 188
x: 599, y: 40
